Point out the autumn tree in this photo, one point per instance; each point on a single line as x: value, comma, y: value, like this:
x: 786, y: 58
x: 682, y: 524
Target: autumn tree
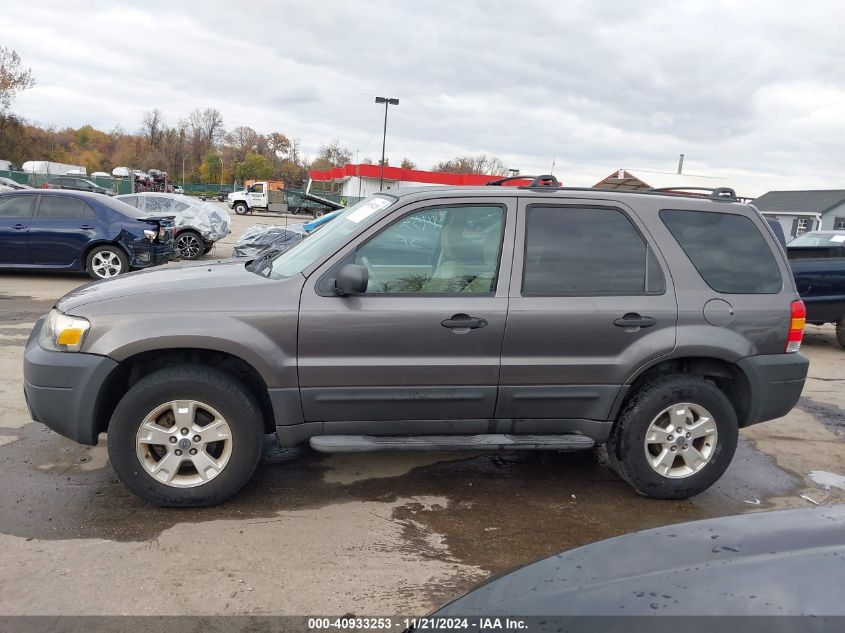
x: 13, y: 78
x: 407, y: 163
x: 332, y: 155
x: 481, y: 164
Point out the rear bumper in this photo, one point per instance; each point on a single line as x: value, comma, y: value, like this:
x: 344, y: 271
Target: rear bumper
x: 151, y: 255
x: 776, y: 382
x: 61, y: 388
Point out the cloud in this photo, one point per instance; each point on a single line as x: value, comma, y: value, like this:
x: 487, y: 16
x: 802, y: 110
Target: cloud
x: 751, y: 91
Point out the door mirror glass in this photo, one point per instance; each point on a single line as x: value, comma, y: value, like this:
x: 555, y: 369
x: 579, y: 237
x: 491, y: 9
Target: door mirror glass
x: 351, y: 279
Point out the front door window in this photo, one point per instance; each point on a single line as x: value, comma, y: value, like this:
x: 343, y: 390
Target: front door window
x: 443, y: 250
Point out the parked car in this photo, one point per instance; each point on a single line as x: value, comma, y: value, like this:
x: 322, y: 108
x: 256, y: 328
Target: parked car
x: 786, y: 563
x: 79, y: 231
x: 12, y: 184
x: 224, y: 193
x: 198, y: 224
x: 259, y: 238
x: 178, y: 189
x: 654, y: 323
x: 77, y: 184
x: 818, y: 265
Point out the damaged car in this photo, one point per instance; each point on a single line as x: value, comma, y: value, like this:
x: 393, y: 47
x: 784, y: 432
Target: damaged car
x: 198, y: 224
x: 58, y: 229
x: 262, y: 238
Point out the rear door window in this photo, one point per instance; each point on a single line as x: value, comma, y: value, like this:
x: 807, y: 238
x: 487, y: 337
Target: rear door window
x: 587, y: 251
x: 63, y: 208
x: 727, y: 249
x: 16, y: 206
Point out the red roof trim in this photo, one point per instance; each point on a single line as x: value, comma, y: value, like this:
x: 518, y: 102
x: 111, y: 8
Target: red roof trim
x: 406, y: 175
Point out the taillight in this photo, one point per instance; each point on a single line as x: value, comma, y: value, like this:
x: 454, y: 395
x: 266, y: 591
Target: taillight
x: 46, y: 186
x: 162, y: 233
x: 797, y: 319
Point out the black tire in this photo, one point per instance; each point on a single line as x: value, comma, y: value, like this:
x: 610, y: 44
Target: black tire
x: 207, y: 249
x: 97, y: 269
x: 241, y: 208
x: 318, y: 213
x: 190, y: 244
x: 626, y: 444
x: 840, y: 332
x: 206, y: 385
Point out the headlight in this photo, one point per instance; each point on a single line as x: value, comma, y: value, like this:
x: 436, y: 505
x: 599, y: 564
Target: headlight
x: 63, y: 333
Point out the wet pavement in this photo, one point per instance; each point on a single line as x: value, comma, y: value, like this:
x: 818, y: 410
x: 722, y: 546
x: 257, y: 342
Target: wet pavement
x: 370, y: 534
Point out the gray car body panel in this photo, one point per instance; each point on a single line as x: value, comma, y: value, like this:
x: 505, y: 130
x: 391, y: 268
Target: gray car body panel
x: 767, y: 563
x: 381, y: 365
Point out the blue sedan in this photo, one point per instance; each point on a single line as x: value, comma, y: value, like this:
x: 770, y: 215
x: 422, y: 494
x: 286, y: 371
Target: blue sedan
x: 78, y: 231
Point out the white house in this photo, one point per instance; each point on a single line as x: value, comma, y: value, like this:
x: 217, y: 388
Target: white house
x: 802, y: 211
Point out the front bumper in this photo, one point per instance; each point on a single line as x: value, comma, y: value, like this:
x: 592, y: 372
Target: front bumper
x: 62, y: 388
x: 775, y: 382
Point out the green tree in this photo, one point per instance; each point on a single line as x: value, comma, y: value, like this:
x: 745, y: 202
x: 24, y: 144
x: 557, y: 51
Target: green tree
x: 212, y: 168
x: 407, y: 163
x: 254, y: 167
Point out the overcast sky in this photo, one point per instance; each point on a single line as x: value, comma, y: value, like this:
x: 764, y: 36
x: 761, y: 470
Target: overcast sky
x: 751, y: 91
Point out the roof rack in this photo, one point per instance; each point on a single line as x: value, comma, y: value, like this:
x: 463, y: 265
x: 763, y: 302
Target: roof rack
x: 725, y: 194
x: 546, y: 181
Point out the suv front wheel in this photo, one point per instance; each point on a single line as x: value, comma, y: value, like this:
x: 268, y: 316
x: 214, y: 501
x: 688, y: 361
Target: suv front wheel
x: 186, y: 436
x: 674, y: 438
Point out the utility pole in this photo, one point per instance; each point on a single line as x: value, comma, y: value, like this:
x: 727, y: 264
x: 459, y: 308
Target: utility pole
x: 183, y: 171
x: 386, y: 101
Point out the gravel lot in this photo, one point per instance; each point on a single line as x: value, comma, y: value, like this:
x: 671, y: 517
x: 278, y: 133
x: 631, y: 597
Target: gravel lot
x: 367, y: 534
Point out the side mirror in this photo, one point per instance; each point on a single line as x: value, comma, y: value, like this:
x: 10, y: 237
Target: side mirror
x: 351, y: 279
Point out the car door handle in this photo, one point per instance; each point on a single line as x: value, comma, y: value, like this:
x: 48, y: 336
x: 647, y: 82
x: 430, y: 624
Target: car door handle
x: 464, y: 322
x: 632, y: 319
x: 19, y: 227
x: 86, y: 227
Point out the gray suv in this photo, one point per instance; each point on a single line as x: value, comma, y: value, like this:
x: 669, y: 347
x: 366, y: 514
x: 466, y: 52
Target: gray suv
x: 507, y: 317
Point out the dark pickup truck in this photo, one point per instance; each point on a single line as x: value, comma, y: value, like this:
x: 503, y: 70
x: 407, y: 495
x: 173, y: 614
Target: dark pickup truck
x: 818, y: 265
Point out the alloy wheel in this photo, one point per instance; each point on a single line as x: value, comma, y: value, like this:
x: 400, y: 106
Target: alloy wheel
x: 184, y: 443
x: 189, y: 246
x: 681, y: 440
x: 106, y: 264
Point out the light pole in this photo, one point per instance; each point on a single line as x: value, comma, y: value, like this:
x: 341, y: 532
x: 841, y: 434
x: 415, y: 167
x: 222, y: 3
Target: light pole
x: 386, y: 101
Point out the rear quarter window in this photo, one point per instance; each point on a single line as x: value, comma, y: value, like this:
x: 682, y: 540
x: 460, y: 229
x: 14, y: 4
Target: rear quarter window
x: 727, y: 249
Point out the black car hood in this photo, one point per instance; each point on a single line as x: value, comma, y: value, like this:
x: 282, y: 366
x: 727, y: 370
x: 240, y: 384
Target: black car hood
x: 790, y: 562
x: 170, y: 279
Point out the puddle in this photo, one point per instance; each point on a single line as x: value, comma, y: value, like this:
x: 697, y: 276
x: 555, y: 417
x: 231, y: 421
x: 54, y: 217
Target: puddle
x: 828, y: 480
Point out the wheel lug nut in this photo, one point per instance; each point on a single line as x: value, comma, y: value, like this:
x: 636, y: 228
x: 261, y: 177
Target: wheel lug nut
x: 689, y: 435
x: 178, y: 452
x: 193, y: 451
x: 184, y: 431
x: 679, y: 430
x: 674, y: 449
x: 172, y: 440
x: 197, y: 438
x: 670, y: 438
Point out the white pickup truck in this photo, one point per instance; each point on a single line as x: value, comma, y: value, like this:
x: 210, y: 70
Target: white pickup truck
x: 264, y: 196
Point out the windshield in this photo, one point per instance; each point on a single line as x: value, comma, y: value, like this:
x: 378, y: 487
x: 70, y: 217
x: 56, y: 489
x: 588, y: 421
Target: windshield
x: 330, y: 237
x: 820, y: 239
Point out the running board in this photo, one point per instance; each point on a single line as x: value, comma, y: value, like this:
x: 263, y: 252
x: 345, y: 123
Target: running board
x: 493, y: 441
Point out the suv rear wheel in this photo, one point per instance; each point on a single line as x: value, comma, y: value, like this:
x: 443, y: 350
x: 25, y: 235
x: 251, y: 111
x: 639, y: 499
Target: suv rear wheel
x: 674, y: 438
x: 186, y: 436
